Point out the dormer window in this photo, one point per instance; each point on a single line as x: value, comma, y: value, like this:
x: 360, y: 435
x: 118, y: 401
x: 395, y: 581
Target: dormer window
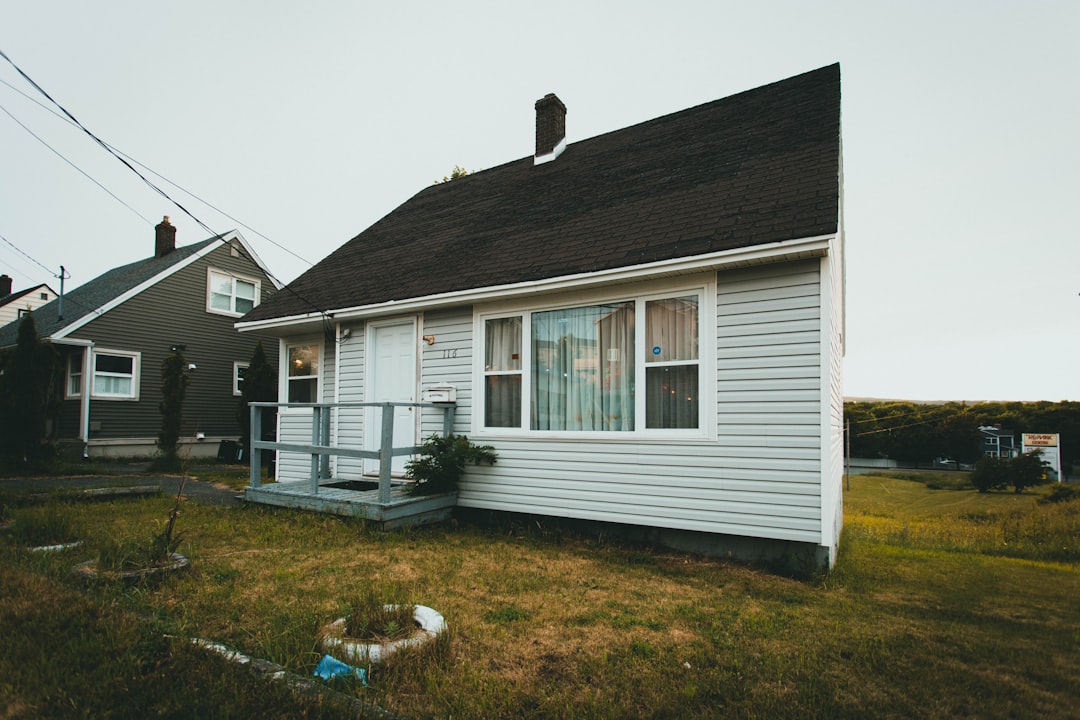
x: 230, y: 294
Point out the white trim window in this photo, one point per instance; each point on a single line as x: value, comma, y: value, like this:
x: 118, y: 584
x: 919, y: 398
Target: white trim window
x: 628, y: 365
x: 73, y: 381
x: 239, y: 372
x: 230, y: 294
x: 116, y: 375
x: 302, y: 378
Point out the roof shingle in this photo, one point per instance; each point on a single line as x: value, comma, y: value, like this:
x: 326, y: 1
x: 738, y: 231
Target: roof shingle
x: 754, y: 168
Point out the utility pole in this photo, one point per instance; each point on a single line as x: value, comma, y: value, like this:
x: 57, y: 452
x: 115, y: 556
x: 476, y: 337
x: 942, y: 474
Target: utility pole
x: 60, y: 307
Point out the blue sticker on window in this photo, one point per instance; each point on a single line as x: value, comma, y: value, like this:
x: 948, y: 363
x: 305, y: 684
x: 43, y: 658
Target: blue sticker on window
x: 656, y: 350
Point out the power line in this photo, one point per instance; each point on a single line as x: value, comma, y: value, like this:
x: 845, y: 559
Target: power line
x: 142, y: 177
x: 85, y: 174
x: 18, y: 250
x: 149, y: 169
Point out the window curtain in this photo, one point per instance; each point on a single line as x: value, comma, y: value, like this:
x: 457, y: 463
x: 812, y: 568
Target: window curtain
x: 583, y: 368
x: 502, y: 368
x: 671, y: 374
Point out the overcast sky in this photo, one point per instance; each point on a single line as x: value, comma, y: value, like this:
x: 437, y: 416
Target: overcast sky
x: 307, y: 122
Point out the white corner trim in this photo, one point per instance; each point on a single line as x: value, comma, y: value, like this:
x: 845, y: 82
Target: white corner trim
x: 541, y: 159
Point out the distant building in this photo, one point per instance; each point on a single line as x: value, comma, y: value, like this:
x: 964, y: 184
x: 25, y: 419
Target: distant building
x: 998, y: 443
x: 13, y: 305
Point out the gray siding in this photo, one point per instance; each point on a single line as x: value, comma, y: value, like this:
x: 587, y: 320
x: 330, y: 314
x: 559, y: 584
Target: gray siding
x: 174, y: 311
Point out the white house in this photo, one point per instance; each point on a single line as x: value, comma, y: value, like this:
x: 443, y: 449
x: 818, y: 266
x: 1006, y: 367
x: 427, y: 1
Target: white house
x: 646, y: 325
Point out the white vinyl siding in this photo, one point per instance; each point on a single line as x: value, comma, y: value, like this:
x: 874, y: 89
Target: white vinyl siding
x: 758, y: 472
x: 759, y: 477
x: 448, y: 361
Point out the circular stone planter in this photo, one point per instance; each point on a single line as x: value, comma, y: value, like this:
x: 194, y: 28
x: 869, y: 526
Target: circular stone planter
x: 89, y: 570
x: 351, y: 650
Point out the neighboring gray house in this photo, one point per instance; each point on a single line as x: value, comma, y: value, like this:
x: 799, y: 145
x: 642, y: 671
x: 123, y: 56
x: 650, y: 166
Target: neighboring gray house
x: 647, y: 325
x: 114, y: 331
x: 13, y: 305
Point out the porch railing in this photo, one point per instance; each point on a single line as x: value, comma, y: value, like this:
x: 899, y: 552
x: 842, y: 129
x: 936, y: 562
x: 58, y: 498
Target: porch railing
x: 320, y: 448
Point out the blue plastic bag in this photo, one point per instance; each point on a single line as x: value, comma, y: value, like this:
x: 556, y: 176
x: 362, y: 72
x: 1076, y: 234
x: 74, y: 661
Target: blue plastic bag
x: 330, y: 668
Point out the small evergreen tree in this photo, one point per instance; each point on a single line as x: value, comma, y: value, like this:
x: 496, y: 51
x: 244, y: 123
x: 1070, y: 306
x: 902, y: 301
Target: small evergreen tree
x: 260, y: 385
x: 26, y: 377
x: 174, y: 383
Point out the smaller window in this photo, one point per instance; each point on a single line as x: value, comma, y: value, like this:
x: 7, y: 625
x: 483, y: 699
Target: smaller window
x: 502, y: 372
x: 229, y: 294
x: 43, y: 296
x: 23, y: 312
x: 303, y: 377
x: 239, y: 372
x: 74, y: 375
x: 116, y: 375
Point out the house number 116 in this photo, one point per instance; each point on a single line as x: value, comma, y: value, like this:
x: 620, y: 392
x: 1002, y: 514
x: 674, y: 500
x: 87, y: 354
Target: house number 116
x: 449, y: 354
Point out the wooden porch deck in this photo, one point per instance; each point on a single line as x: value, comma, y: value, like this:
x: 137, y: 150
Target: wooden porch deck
x: 403, y: 510
x: 387, y: 504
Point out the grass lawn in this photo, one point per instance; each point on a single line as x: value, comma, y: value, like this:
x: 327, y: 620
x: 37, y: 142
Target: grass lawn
x: 946, y: 603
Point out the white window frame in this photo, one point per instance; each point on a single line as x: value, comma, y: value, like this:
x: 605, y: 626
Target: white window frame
x: 233, y: 278
x: 283, y: 374
x: 68, y: 375
x: 702, y: 286
x: 236, y: 367
x: 136, y: 369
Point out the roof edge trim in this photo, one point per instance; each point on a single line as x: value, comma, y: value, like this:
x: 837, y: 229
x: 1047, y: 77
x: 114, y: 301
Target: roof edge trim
x: 804, y: 247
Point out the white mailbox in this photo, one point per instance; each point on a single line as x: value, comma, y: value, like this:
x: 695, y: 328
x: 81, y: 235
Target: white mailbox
x: 441, y: 394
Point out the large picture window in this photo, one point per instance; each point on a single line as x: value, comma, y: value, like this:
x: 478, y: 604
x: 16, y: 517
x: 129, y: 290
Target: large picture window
x: 623, y: 366
x: 116, y: 375
x: 229, y: 294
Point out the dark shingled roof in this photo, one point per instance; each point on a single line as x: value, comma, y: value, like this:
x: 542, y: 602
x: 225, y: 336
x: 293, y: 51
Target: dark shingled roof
x: 94, y: 294
x: 754, y: 168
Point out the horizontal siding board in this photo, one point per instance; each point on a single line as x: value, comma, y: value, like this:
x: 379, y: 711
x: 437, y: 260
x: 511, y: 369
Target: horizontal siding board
x: 774, y: 333
x: 799, y: 531
x: 767, y: 354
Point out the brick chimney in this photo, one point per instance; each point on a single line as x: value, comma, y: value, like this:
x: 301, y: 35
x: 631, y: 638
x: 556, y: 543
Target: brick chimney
x: 5, y: 285
x: 550, y: 129
x: 164, y: 238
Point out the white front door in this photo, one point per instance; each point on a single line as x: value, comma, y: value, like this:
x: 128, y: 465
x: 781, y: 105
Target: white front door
x: 391, y: 377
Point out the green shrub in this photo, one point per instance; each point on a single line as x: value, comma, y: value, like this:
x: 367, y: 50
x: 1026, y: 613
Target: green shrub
x: 991, y: 473
x: 443, y: 459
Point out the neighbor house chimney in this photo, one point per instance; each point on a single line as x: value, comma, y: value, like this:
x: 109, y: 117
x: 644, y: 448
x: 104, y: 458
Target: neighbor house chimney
x: 5, y: 285
x: 164, y: 238
x: 550, y: 129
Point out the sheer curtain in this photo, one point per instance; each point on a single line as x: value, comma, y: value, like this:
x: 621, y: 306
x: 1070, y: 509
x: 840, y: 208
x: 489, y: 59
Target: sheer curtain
x: 583, y: 368
x: 502, y: 371
x: 671, y: 373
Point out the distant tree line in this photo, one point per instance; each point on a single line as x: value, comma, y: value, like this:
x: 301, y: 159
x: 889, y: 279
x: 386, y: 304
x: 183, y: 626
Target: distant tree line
x: 921, y: 433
